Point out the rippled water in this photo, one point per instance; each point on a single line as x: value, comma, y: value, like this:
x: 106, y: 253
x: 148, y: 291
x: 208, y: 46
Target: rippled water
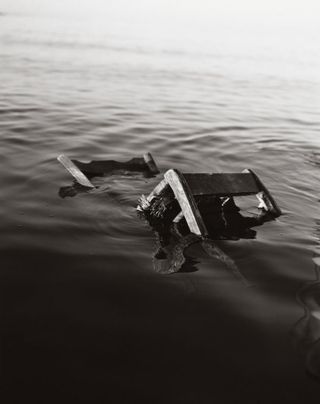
x: 86, y: 318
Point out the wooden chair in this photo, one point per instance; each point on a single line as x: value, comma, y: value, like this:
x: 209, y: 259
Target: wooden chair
x: 186, y: 186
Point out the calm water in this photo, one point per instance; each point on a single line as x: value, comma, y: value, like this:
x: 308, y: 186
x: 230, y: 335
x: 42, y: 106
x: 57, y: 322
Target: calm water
x: 86, y: 318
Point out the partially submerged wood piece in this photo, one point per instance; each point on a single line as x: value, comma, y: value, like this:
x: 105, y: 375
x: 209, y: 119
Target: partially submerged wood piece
x: 80, y: 170
x: 151, y: 163
x: 265, y: 198
x: 186, y: 201
x: 74, y: 171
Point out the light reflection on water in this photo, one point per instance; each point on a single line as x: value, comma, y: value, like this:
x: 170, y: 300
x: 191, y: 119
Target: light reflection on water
x: 78, y: 271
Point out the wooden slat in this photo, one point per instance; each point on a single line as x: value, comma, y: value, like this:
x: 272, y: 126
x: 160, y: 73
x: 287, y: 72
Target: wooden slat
x: 74, y: 171
x: 222, y: 184
x: 187, y: 203
x: 264, y: 194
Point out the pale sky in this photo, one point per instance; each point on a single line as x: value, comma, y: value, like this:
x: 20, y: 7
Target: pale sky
x: 286, y: 9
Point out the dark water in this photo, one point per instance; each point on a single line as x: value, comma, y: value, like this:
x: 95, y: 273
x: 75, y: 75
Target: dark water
x: 85, y: 317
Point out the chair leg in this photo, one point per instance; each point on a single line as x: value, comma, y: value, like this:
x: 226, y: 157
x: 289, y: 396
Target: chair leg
x: 151, y: 163
x: 74, y: 171
x: 186, y: 201
x: 265, y: 198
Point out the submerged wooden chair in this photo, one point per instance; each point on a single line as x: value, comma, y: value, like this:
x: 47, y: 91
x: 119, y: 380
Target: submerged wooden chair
x: 186, y: 187
x: 83, y: 180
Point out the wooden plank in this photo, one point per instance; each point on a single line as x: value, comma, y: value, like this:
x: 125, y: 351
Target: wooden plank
x: 264, y: 195
x: 151, y: 163
x: 74, y: 171
x: 187, y: 203
x: 222, y: 184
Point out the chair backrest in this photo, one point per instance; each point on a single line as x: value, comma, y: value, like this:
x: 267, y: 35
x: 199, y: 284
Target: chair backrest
x: 237, y: 184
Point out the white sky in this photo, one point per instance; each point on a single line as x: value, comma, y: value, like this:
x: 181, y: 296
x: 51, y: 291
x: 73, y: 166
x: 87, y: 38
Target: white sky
x: 286, y: 9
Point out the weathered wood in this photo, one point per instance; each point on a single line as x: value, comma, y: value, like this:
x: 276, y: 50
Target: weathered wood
x: 222, y: 184
x: 187, y: 203
x: 74, y: 171
x: 151, y: 163
x: 264, y: 195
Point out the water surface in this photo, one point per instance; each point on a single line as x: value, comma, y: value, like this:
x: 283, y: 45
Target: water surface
x: 86, y: 318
